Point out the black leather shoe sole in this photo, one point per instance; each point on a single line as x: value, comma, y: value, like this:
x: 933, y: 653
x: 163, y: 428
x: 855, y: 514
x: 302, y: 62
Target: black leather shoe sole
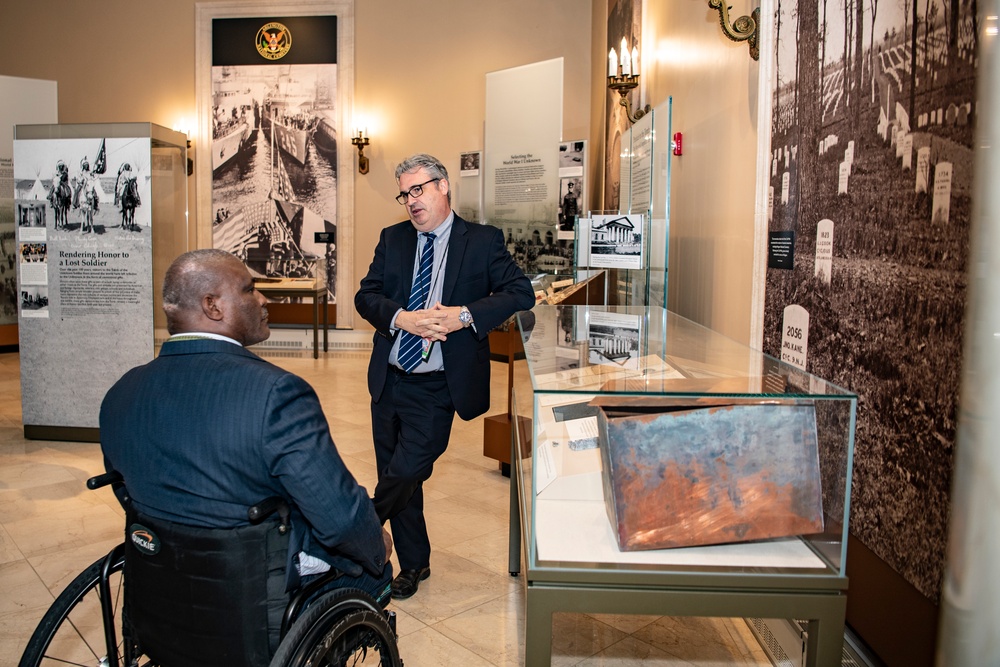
x: 407, y: 581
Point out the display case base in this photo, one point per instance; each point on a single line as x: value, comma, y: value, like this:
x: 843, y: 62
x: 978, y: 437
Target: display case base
x: 62, y: 433
x: 496, y: 436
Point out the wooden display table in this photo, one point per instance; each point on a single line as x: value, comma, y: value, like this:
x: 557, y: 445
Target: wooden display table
x: 300, y: 287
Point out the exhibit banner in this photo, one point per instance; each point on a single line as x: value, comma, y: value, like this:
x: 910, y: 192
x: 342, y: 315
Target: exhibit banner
x: 274, y: 97
x: 523, y: 130
x: 84, y: 270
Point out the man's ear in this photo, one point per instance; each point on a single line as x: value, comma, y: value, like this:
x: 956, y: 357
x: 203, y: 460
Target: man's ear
x: 212, y: 307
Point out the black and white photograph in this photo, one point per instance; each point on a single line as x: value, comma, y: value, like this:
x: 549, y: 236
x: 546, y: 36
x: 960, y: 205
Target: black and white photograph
x: 8, y: 276
x: 613, y: 339
x: 871, y: 170
x: 470, y: 163
x: 536, y: 248
x: 616, y: 241
x: 84, y: 187
x: 32, y: 253
x: 34, y: 301
x: 569, y: 203
x: 572, y: 158
x: 31, y: 213
x: 274, y: 150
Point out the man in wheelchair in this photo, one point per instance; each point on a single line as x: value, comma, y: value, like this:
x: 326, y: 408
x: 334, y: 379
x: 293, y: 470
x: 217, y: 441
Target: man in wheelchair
x: 199, y: 435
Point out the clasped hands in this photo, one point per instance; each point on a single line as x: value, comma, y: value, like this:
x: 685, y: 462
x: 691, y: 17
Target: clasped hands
x: 434, y: 323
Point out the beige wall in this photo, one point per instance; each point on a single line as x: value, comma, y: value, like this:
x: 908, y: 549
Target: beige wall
x: 419, y: 74
x: 713, y: 82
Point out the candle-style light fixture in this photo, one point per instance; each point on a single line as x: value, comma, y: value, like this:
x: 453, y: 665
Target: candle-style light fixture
x: 623, y: 76
x: 742, y: 29
x: 361, y: 140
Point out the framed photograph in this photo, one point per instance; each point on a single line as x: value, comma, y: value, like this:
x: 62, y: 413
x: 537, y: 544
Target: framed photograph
x: 616, y: 241
x: 470, y: 163
x: 274, y: 89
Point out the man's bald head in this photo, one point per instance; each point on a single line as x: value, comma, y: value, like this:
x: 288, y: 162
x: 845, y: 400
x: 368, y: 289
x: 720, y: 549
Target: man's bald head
x: 211, y: 291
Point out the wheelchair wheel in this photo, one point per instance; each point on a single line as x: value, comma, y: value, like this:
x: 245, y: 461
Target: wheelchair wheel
x: 72, y: 631
x: 344, y: 627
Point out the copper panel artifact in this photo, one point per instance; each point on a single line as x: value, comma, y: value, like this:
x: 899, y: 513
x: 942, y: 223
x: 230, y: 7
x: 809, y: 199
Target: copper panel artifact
x: 686, y: 475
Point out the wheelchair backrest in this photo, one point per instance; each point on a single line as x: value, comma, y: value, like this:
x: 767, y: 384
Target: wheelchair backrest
x: 204, y: 597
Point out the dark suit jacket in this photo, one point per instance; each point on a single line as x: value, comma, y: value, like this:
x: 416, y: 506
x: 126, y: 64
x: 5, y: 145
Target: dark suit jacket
x: 208, y: 428
x: 479, y: 274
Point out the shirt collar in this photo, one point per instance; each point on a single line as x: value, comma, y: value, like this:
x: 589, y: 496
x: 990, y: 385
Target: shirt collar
x: 189, y: 335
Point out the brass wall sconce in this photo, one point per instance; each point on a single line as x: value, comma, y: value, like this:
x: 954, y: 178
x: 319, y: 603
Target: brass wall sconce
x: 742, y: 29
x: 623, y: 76
x: 360, y: 140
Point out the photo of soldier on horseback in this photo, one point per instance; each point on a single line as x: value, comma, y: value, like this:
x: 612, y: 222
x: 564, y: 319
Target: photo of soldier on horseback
x: 127, y: 196
x: 60, y: 195
x: 85, y: 196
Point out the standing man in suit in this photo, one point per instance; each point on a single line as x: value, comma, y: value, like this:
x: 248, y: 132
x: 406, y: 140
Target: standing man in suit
x: 435, y: 289
x: 208, y: 429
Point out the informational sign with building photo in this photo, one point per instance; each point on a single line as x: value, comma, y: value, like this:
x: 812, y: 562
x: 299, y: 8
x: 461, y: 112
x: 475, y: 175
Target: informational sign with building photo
x: 613, y: 339
x: 616, y: 241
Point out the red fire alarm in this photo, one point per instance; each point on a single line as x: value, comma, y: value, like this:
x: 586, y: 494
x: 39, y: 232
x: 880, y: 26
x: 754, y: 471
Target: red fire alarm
x: 678, y: 147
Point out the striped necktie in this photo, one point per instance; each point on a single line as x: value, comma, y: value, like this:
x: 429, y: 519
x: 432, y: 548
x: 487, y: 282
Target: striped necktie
x: 411, y: 346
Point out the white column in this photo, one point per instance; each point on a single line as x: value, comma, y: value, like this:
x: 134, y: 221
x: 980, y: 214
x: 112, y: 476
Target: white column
x: 970, y: 602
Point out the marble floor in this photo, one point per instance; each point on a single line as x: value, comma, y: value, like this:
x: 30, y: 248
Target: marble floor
x: 469, y: 613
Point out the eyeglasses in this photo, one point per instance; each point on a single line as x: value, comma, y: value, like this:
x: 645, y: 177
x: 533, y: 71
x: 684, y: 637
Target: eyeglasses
x: 414, y: 192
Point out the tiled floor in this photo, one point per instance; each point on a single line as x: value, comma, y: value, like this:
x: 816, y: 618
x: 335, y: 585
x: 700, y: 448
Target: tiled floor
x: 469, y: 613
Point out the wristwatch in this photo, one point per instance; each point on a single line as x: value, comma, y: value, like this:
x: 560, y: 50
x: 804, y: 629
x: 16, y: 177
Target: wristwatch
x: 465, y: 317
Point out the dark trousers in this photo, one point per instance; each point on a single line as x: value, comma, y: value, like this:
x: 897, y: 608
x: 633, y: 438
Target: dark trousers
x: 411, y: 425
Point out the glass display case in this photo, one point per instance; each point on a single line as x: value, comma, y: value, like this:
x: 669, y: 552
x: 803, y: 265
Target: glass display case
x: 105, y: 213
x: 670, y: 470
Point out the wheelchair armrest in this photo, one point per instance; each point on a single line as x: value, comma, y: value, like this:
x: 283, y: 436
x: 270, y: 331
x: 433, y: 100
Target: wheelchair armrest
x: 266, y: 508
x: 98, y: 481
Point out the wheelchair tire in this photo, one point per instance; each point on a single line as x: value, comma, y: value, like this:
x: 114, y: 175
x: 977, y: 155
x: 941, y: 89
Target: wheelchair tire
x: 72, y: 630
x: 343, y: 627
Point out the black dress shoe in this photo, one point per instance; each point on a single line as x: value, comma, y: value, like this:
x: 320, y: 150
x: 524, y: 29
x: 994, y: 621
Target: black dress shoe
x: 406, y: 582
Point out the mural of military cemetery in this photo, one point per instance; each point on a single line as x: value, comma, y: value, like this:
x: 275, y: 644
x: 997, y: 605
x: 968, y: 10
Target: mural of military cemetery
x: 872, y: 138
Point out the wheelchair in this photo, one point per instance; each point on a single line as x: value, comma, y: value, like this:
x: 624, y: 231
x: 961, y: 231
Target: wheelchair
x: 187, y: 606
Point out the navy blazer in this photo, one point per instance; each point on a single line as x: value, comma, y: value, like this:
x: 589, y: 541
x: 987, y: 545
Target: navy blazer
x: 208, y: 429
x: 479, y: 274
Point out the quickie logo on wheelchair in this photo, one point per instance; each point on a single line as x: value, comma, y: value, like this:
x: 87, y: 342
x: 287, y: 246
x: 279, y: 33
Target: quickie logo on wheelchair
x: 144, y: 539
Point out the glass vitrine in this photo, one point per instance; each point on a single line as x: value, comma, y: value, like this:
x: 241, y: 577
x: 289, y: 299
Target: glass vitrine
x: 670, y: 470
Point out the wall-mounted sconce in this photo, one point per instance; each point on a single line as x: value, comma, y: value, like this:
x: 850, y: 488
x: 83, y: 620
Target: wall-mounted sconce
x: 742, y: 29
x: 623, y: 76
x: 360, y: 140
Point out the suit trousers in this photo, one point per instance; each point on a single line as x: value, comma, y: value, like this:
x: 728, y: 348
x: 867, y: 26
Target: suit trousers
x: 411, y: 426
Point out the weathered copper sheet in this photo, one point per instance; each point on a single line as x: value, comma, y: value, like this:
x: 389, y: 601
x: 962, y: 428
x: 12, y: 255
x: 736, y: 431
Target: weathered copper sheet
x: 677, y: 476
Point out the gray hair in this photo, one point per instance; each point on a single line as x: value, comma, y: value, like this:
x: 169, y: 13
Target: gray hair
x: 190, y: 277
x: 422, y: 160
